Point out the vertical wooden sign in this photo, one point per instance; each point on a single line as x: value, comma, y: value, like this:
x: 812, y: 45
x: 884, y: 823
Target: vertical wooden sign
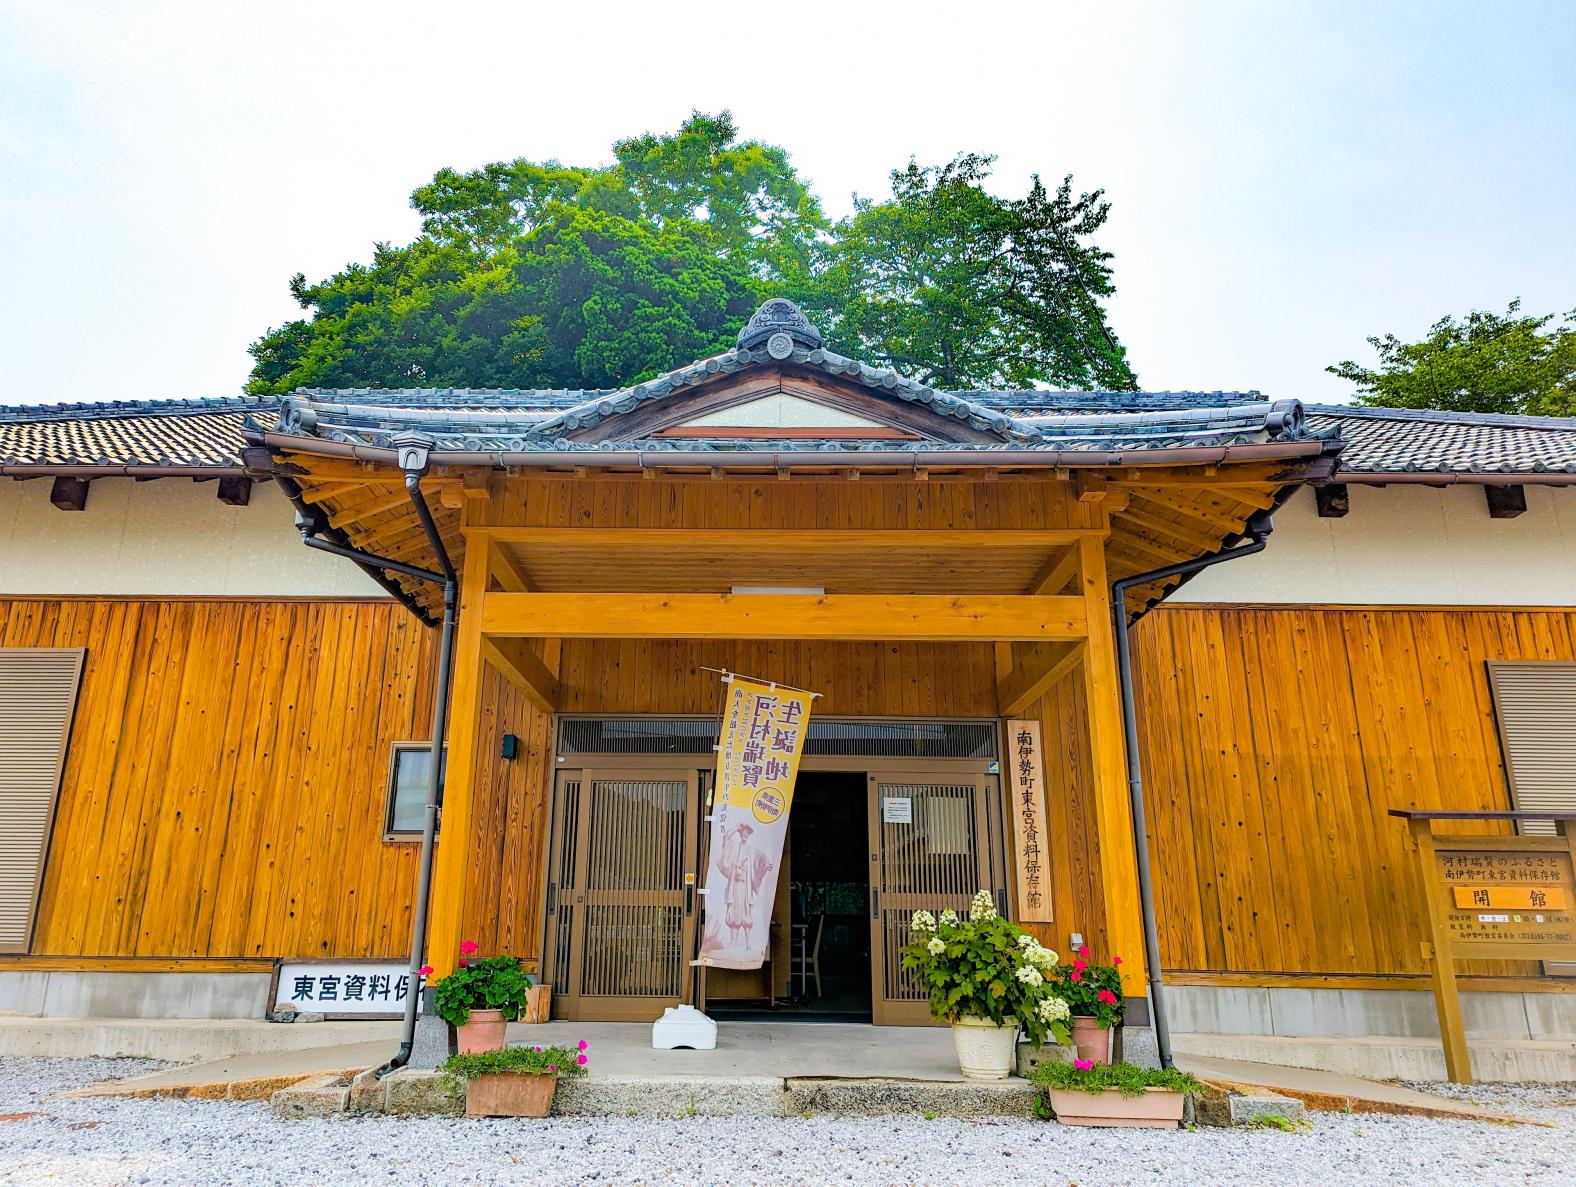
x: 1026, y: 770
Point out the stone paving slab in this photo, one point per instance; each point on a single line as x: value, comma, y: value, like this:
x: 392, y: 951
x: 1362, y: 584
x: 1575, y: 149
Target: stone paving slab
x: 248, y: 1077
x: 1329, y: 1092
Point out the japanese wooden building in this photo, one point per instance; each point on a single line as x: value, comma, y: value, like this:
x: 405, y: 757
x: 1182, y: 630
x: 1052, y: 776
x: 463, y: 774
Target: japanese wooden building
x: 233, y: 774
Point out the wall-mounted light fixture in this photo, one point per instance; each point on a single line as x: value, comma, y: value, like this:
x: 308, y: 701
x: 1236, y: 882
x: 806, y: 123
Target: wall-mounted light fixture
x: 511, y: 746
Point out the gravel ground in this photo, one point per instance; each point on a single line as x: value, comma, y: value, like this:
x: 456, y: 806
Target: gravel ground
x: 103, y: 1141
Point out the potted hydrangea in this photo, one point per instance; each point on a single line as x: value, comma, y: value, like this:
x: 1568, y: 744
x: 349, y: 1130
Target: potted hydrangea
x: 514, y: 1081
x: 480, y: 998
x: 1094, y: 993
x: 987, y: 977
x: 1115, y: 1094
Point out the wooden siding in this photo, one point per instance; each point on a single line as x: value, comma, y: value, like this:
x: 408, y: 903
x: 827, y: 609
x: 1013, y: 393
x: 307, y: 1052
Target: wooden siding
x: 225, y: 786
x: 1275, y: 740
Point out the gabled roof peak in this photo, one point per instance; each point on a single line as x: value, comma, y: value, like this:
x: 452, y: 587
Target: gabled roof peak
x: 779, y: 325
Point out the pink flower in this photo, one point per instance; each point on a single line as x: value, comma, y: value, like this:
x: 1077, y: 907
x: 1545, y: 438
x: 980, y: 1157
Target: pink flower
x: 1084, y: 951
x: 1083, y: 1065
x: 1080, y: 965
x: 1107, y: 997
x: 1077, y: 975
x: 469, y: 947
x: 465, y: 964
x: 581, y: 1059
x: 1116, y: 960
x: 425, y: 970
x: 583, y: 1045
x: 538, y: 1050
x: 552, y: 1067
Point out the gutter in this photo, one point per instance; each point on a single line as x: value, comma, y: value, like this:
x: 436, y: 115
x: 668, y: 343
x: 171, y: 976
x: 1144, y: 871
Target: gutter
x: 814, y: 459
x: 1258, y: 530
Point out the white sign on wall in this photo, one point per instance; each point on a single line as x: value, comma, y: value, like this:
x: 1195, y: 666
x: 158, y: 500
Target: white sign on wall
x: 897, y: 809
x: 345, y: 988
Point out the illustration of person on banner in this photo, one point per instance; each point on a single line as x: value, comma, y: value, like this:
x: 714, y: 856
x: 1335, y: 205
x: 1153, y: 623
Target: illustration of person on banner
x: 763, y: 731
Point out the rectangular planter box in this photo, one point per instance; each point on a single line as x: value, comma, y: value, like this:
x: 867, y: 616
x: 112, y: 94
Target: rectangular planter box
x: 509, y: 1094
x: 1156, y: 1108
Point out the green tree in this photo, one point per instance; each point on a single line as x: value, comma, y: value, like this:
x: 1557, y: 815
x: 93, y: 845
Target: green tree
x: 545, y: 275
x: 530, y: 274
x: 957, y: 287
x: 1517, y: 363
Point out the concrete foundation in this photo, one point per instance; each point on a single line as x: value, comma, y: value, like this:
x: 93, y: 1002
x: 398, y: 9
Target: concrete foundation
x: 1288, y: 1012
x: 66, y: 994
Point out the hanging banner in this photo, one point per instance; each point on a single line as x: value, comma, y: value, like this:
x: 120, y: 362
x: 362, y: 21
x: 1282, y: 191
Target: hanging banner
x: 1028, y: 809
x: 763, y: 730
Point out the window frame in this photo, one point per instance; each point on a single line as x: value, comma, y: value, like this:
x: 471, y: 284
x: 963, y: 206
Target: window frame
x: 391, y: 835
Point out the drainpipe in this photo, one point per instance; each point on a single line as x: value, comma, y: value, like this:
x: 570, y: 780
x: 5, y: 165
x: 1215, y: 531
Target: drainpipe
x: 414, y: 451
x: 1258, y: 530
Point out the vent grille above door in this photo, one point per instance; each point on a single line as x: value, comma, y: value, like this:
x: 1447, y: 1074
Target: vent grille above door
x: 38, y: 693
x: 827, y: 736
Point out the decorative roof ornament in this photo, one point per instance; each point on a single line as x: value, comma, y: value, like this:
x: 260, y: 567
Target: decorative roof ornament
x: 778, y: 325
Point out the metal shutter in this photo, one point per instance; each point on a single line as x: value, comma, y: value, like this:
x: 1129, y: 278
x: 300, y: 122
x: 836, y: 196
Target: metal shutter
x: 38, y: 692
x: 1536, y: 707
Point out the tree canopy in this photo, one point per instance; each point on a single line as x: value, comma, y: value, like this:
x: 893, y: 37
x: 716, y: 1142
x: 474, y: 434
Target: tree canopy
x: 533, y: 274
x: 1517, y: 363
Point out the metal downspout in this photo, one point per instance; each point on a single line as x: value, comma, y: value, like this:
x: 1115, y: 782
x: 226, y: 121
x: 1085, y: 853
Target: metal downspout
x: 1258, y: 529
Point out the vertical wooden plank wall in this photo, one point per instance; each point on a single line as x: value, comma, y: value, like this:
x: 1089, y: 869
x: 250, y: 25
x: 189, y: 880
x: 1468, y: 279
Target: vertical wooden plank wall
x: 224, y: 791
x: 1275, y: 740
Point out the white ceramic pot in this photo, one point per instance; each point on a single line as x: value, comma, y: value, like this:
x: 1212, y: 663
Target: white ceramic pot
x: 985, y: 1050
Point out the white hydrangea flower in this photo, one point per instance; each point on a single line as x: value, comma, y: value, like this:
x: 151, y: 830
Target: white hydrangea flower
x: 1026, y: 940
x: 949, y: 917
x: 1041, y: 957
x: 982, y: 907
x: 936, y: 947
x: 1053, y: 1009
x: 1029, y: 975
x: 922, y: 921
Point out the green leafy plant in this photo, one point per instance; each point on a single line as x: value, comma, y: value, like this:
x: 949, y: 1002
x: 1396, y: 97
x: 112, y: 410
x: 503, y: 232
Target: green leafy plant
x: 986, y: 967
x: 489, y: 983
x: 520, y: 1061
x: 1092, y: 990
x: 1277, y: 1122
x: 1124, y: 1077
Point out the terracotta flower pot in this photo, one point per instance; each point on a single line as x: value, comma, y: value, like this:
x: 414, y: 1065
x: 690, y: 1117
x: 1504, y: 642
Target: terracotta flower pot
x: 985, y: 1050
x: 1092, y: 1040
x: 510, y: 1094
x: 483, y: 1031
x: 1154, y: 1108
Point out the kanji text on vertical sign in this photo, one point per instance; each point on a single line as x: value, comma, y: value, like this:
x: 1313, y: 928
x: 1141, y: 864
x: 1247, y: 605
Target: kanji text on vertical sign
x: 1026, y: 760
x: 1491, y: 898
x: 763, y: 733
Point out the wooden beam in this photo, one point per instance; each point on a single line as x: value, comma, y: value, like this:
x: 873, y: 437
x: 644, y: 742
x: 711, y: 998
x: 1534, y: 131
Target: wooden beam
x: 350, y: 513
x: 1113, y: 818
x: 742, y: 539
x: 1164, y: 528
x: 502, y: 567
x: 1056, y: 573
x: 69, y: 494
x: 1505, y: 502
x: 917, y: 617
x: 518, y: 664
x: 1042, y: 667
x: 461, y: 772
x: 235, y: 491
x: 1333, y: 501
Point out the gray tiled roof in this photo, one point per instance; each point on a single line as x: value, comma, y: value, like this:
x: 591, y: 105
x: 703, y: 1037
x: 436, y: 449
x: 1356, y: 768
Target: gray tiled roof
x: 1404, y: 441
x: 129, y: 435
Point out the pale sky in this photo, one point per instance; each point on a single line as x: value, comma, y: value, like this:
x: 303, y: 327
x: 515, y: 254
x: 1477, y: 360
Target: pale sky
x: 1286, y: 179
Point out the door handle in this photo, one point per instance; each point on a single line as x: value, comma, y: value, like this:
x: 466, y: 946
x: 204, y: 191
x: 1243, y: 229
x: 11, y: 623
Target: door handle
x: 552, y: 897
x: 689, y: 899
x: 875, y: 903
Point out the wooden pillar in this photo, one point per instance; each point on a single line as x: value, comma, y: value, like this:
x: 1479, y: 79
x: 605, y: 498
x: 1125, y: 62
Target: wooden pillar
x: 1113, y: 818
x: 462, y: 770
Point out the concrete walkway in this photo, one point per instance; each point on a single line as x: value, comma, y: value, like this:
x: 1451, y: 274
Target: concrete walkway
x: 750, y: 1054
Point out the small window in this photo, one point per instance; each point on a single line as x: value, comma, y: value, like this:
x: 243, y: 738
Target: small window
x: 1535, y: 703
x: 407, y: 791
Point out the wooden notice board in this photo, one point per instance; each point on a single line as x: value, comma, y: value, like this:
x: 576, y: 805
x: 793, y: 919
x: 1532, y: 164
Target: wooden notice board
x: 1026, y: 760
x: 1491, y: 898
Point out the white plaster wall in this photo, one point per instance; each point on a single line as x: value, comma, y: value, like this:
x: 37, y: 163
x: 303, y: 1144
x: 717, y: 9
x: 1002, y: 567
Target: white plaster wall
x: 1408, y: 545
x: 170, y: 536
